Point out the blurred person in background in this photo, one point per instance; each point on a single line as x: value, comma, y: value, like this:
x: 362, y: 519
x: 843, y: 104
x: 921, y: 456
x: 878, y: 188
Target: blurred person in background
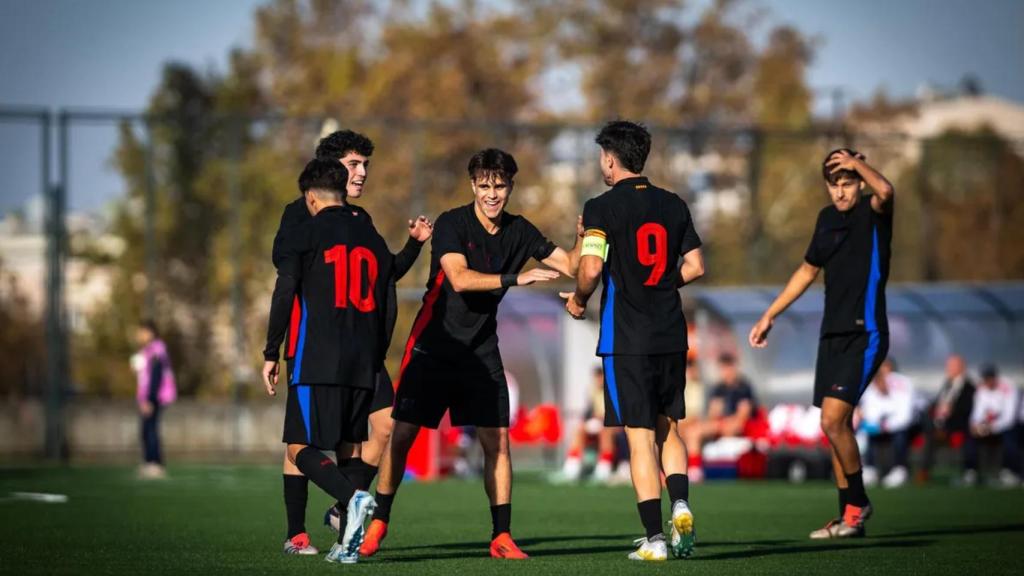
x: 993, y: 422
x: 948, y: 416
x: 886, y: 416
x: 590, y: 429
x: 156, y: 389
x: 731, y: 405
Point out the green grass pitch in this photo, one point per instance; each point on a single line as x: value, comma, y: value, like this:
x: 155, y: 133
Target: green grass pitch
x: 230, y: 520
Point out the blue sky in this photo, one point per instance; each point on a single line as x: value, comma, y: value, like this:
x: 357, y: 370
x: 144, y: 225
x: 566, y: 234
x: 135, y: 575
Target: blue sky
x: 108, y: 53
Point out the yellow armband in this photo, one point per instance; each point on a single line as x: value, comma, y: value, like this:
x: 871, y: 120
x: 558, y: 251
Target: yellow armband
x: 595, y: 243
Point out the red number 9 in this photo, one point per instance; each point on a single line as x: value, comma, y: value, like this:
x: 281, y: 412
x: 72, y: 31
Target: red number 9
x: 659, y: 257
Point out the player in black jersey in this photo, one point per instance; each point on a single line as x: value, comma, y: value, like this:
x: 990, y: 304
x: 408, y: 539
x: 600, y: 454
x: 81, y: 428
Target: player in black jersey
x: 342, y: 270
x: 635, y: 235
x: 851, y: 241
x: 353, y: 150
x: 451, y: 359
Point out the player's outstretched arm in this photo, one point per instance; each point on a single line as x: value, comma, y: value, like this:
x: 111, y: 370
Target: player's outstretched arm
x: 692, y: 268
x: 797, y: 285
x: 881, y: 200
x: 462, y: 279
x: 420, y: 230
x: 568, y: 261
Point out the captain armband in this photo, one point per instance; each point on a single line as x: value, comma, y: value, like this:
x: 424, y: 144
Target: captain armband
x: 595, y: 243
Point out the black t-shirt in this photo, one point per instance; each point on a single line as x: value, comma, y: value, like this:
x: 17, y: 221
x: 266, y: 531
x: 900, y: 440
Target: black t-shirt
x: 854, y: 249
x: 647, y: 229
x: 296, y: 214
x: 342, y: 269
x: 733, y: 395
x: 453, y: 322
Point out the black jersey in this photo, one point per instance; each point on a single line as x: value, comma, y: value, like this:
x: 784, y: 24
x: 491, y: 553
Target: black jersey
x: 647, y: 229
x: 296, y: 214
x: 450, y: 321
x: 343, y: 272
x: 854, y: 248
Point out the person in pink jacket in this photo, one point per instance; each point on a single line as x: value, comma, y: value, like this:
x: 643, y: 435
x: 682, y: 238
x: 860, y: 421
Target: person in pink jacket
x: 156, y: 389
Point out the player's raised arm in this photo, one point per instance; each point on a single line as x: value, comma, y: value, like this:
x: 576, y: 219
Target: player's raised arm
x: 420, y: 230
x: 883, y: 191
x: 797, y: 285
x: 567, y: 261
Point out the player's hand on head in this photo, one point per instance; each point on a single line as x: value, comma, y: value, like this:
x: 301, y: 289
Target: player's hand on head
x: 572, y: 306
x: 759, y: 333
x: 536, y: 275
x: 270, y: 371
x: 421, y: 229
x: 843, y: 160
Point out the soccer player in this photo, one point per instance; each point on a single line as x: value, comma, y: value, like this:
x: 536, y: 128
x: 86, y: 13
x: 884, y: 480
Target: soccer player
x: 851, y: 241
x: 353, y: 150
x: 342, y: 270
x: 634, y: 235
x: 451, y: 360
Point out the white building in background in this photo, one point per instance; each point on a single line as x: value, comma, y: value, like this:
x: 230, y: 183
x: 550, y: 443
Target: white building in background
x: 23, y: 257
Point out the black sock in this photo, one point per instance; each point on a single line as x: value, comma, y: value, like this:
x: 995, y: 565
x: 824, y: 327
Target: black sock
x: 844, y: 497
x: 384, y: 502
x: 369, y: 473
x: 322, y: 471
x: 678, y: 487
x: 650, y: 516
x: 296, y: 492
x: 856, y: 495
x: 501, y: 519
x: 349, y: 469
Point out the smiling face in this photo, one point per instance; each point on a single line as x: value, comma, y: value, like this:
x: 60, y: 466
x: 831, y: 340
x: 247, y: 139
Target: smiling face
x: 490, y: 193
x: 358, y: 170
x: 845, y: 192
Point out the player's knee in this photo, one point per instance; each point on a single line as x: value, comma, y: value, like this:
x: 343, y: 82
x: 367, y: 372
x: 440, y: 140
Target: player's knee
x: 832, y: 424
x: 382, y: 429
x: 493, y: 441
x: 292, y: 452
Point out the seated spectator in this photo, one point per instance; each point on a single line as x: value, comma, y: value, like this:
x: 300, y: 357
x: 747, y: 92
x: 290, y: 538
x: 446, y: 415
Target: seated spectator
x: 731, y: 405
x: 592, y: 427
x: 993, y: 422
x: 948, y: 415
x: 886, y: 415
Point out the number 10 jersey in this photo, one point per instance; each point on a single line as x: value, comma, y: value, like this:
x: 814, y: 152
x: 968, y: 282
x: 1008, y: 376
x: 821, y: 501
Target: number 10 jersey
x: 647, y: 230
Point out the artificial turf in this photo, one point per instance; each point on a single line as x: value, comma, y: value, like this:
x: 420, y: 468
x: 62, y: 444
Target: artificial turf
x: 230, y: 520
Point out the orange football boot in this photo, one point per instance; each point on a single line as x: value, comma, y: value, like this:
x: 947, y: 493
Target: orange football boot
x: 375, y: 534
x: 504, y: 547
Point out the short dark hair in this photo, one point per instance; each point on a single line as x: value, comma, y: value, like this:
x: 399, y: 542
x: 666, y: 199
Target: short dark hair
x: 833, y: 178
x: 628, y: 141
x: 492, y: 162
x: 149, y: 324
x: 335, y: 145
x: 321, y: 174
x: 727, y: 359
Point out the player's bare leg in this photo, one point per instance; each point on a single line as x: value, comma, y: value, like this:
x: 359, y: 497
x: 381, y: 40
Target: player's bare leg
x: 498, y: 484
x: 837, y: 424
x: 392, y: 468
x: 674, y: 464
x: 645, y: 468
x: 374, y: 452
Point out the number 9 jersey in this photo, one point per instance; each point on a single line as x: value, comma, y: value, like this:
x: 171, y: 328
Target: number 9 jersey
x: 645, y: 231
x: 343, y: 269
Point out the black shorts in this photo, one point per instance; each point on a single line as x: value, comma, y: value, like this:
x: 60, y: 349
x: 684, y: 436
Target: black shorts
x: 639, y: 388
x: 384, y: 395
x: 325, y: 416
x: 847, y: 363
x: 471, y: 385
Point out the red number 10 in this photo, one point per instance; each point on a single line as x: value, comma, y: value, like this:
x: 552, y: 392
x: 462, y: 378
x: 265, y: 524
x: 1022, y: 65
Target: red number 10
x: 349, y: 287
x: 659, y: 257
